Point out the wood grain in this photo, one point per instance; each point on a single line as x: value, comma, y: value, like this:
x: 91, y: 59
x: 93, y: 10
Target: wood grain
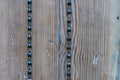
x: 12, y: 40
x: 95, y: 42
x: 95, y: 39
x: 45, y: 45
x: 13, y: 58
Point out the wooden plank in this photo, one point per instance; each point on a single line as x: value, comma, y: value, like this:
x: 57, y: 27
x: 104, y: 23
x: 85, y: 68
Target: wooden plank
x: 117, y: 75
x: 45, y: 38
x: 13, y: 58
x: 12, y: 40
x: 114, y: 66
x: 95, y: 43
x: 95, y: 38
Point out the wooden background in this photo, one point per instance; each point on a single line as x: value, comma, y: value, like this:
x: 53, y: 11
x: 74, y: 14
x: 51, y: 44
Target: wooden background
x: 95, y: 42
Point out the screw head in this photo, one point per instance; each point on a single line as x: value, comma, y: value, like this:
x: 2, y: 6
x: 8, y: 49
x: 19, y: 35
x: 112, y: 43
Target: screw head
x: 29, y: 9
x: 68, y: 29
x: 29, y: 44
x: 68, y: 47
x: 29, y: 62
x: 29, y: 54
x: 69, y: 55
x: 68, y: 73
x: 29, y: 71
x: 69, y: 38
x: 29, y: 36
x: 29, y: 18
x: 69, y: 20
x: 29, y: 1
x: 29, y: 27
x: 69, y: 11
x: 69, y: 2
x: 68, y: 64
x: 29, y: 78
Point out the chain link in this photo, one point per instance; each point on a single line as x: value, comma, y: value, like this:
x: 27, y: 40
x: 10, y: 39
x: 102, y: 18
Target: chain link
x: 29, y: 39
x: 68, y: 38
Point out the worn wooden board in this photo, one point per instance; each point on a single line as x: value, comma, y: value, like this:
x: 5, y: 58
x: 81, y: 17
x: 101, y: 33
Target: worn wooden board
x: 45, y: 45
x: 95, y: 43
x: 13, y: 22
x: 95, y: 39
x: 12, y: 40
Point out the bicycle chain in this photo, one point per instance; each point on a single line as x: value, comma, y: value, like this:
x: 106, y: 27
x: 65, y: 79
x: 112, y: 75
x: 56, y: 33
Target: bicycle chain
x: 29, y: 39
x: 68, y: 38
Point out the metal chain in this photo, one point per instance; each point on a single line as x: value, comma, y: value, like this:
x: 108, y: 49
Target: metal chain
x: 29, y: 39
x: 68, y: 38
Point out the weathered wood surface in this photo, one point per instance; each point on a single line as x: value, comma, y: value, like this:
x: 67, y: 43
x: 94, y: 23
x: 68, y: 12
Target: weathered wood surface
x: 13, y: 22
x: 95, y: 39
x: 12, y: 40
x: 45, y: 40
x: 95, y: 43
